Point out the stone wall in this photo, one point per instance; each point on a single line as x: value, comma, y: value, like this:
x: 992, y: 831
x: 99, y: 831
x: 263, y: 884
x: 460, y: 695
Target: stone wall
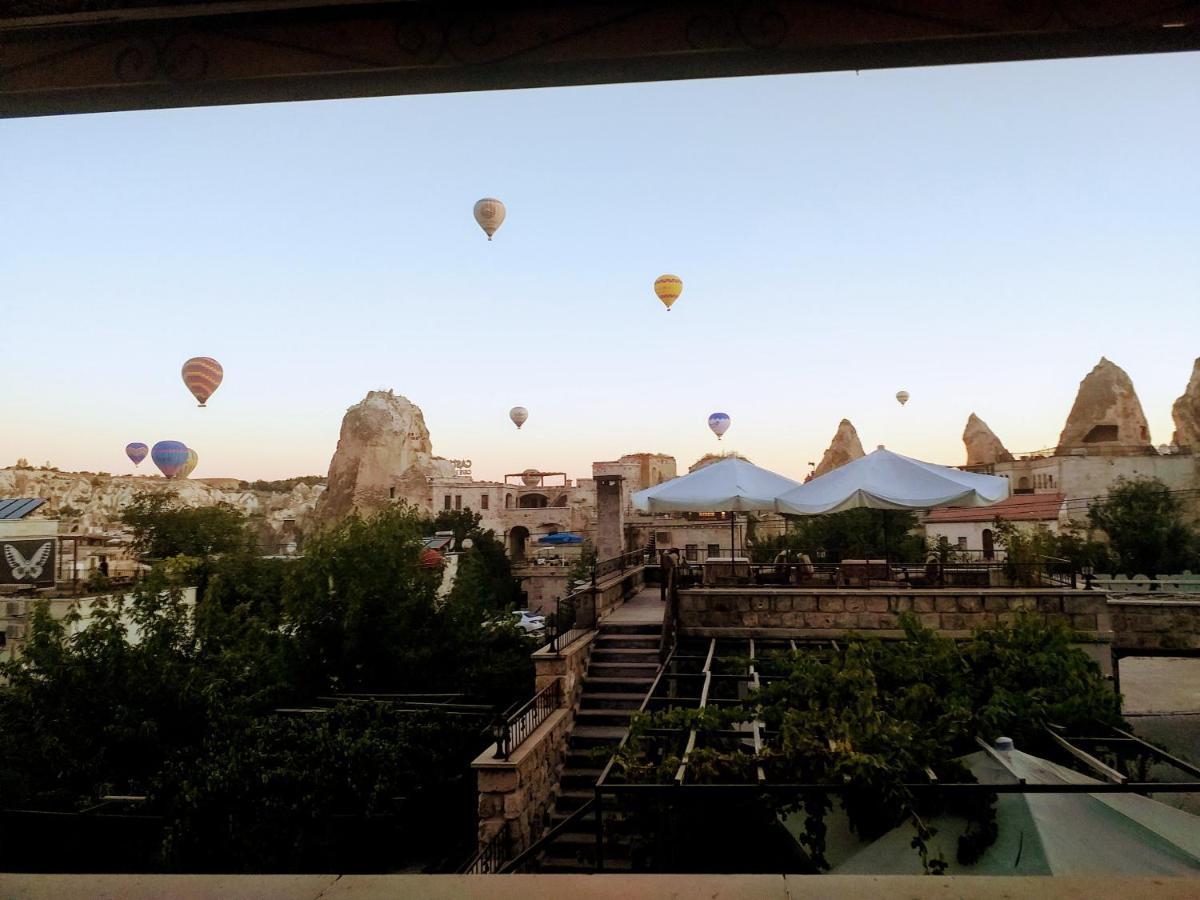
x: 790, y: 613
x: 521, y: 790
x: 1155, y: 624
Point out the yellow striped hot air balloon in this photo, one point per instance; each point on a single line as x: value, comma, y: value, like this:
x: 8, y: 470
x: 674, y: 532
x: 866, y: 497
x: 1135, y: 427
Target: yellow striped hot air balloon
x: 668, y: 288
x: 190, y: 466
x: 202, y: 375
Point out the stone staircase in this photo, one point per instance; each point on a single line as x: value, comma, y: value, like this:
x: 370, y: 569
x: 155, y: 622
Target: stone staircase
x: 623, y: 664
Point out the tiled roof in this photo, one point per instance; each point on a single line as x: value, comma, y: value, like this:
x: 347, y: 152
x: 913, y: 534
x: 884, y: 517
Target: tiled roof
x: 1017, y: 508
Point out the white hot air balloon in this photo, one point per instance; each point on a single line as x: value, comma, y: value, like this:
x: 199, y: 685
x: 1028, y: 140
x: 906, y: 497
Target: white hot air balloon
x: 489, y: 213
x: 518, y: 414
x: 719, y: 423
x: 902, y: 396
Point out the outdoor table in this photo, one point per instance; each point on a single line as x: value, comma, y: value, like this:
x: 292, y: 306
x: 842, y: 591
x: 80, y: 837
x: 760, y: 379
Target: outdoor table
x: 722, y: 568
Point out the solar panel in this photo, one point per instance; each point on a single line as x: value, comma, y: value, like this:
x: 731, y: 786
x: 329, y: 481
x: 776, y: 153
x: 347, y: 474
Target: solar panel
x: 20, y: 507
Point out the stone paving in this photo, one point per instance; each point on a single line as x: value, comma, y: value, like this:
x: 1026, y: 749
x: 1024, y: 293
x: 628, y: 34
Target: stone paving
x: 643, y: 608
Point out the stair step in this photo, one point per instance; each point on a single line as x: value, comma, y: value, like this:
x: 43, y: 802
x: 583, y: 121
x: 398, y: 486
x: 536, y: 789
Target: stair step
x: 623, y: 670
x: 585, y: 736
x: 625, y: 654
x: 571, y: 799
x: 604, y: 716
x: 607, y: 700
x: 629, y: 641
x: 613, y: 684
x: 610, y: 628
x: 579, y: 777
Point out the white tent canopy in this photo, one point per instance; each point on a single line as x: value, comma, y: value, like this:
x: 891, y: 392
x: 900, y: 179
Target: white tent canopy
x: 732, y: 484
x: 1050, y: 834
x: 886, y: 480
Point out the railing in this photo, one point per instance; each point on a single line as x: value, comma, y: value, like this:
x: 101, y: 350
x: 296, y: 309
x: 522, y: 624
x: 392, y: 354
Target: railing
x: 788, y: 572
x: 511, y: 729
x: 526, y: 862
x: 574, y: 616
x: 606, y: 567
x: 492, y: 856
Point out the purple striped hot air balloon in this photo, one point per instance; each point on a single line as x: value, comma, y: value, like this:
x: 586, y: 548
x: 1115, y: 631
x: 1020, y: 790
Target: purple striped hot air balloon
x: 136, y: 452
x: 170, y: 457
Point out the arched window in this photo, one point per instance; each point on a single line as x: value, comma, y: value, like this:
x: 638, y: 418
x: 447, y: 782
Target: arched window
x: 989, y: 544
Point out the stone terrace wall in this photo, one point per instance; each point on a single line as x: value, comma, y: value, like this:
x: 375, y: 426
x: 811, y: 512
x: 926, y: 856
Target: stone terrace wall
x: 1155, y: 624
x: 521, y: 790
x: 792, y: 613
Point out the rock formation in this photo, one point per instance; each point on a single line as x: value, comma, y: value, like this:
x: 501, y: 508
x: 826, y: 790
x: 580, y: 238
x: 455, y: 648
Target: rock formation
x: 383, y: 454
x: 845, y: 447
x: 1186, y: 413
x: 89, y: 502
x: 1107, y: 415
x: 983, y: 447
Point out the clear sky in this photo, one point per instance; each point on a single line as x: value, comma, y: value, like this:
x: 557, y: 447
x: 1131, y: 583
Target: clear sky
x: 977, y: 235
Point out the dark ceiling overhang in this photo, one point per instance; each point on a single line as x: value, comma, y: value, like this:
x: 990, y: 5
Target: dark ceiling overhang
x: 73, y: 56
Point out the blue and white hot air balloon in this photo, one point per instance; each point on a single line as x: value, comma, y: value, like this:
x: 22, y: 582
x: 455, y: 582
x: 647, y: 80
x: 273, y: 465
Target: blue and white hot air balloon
x: 719, y: 423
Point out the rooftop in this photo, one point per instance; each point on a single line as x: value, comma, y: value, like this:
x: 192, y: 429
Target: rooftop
x: 1017, y: 508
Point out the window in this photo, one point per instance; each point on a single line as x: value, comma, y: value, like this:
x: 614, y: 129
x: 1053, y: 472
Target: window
x: 693, y: 552
x: 483, y: 502
x: 662, y: 537
x: 508, y: 501
x: 962, y: 543
x: 446, y: 502
x: 392, y: 493
x: 458, y: 501
x: 714, y: 549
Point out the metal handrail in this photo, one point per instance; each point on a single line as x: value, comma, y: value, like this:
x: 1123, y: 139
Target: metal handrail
x: 515, y: 726
x: 545, y: 840
x: 491, y: 856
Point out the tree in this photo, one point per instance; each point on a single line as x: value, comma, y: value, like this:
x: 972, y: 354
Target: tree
x: 164, y: 527
x: 1146, y: 528
x: 853, y: 534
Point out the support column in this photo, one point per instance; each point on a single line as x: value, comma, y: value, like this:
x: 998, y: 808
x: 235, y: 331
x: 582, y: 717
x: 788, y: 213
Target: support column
x: 610, y: 516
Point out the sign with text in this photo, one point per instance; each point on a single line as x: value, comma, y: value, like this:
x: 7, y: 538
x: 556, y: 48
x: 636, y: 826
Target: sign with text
x: 28, y: 561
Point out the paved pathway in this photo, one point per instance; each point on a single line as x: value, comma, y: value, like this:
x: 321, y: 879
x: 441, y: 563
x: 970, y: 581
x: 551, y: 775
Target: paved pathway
x: 643, y: 608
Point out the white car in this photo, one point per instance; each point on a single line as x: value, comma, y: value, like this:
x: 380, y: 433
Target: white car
x: 528, y: 621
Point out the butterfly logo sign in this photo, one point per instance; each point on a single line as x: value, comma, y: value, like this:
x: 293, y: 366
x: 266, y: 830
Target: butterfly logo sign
x: 27, y: 569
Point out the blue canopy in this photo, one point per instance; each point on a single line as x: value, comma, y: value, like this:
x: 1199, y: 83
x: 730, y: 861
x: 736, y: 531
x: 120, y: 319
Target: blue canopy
x: 560, y: 537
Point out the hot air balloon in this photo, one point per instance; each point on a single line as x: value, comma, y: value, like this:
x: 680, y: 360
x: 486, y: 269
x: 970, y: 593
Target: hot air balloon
x: 719, y: 423
x: 136, y: 452
x: 518, y: 414
x: 668, y: 288
x: 170, y: 457
x: 190, y: 466
x: 489, y: 213
x: 202, y: 375
x: 902, y: 396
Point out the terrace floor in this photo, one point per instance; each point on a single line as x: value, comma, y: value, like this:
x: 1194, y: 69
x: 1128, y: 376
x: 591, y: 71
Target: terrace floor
x: 643, y: 608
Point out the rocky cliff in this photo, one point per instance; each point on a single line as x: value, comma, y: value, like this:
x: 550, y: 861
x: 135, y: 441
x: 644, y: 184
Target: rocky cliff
x: 983, y: 447
x: 845, y: 447
x: 1107, y: 415
x: 383, y: 454
x: 90, y: 502
x: 1186, y: 413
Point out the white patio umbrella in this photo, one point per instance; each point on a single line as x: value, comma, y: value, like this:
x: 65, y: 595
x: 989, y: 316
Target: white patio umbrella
x: 731, y: 485
x: 886, y: 480
x: 1049, y: 834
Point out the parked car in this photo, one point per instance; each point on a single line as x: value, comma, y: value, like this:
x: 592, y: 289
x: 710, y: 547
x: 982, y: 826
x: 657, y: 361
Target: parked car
x: 526, y: 620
